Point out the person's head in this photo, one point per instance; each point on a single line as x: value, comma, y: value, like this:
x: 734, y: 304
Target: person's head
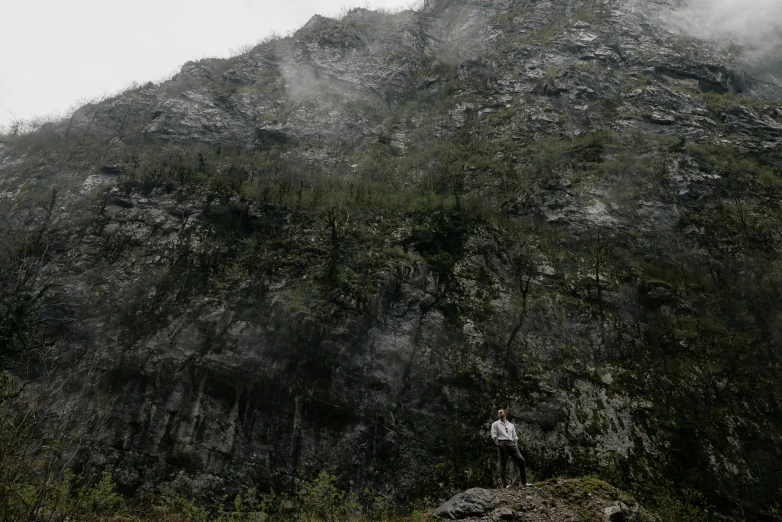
x: 501, y: 414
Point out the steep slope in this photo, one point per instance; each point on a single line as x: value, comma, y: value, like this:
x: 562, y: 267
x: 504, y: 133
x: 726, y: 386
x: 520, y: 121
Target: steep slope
x: 345, y: 248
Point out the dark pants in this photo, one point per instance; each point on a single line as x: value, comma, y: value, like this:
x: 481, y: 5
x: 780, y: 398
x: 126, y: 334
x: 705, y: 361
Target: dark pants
x: 506, y: 448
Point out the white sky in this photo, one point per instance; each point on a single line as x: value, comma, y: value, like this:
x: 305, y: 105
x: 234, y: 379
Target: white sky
x: 54, y: 53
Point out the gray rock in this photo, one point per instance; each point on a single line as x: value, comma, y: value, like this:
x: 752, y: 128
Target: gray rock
x: 503, y: 513
x: 619, y: 512
x: 474, y: 502
x: 253, y: 380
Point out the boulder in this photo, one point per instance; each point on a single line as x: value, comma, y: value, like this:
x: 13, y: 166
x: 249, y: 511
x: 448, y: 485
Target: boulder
x: 619, y: 512
x: 472, y: 503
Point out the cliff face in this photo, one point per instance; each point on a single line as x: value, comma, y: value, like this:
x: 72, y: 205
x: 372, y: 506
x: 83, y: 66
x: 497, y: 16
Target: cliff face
x: 346, y: 248
x: 337, y: 80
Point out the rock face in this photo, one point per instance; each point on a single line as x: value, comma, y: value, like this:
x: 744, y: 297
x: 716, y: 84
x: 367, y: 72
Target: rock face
x: 344, y: 249
x: 334, y: 80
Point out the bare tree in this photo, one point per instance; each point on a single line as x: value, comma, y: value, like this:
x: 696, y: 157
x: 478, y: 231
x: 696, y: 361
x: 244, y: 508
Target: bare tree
x: 523, y: 270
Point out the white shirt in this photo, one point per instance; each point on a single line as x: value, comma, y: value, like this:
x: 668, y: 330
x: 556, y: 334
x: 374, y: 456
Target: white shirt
x: 503, y: 431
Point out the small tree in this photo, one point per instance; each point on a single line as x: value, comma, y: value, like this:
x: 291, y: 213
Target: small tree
x: 321, y: 500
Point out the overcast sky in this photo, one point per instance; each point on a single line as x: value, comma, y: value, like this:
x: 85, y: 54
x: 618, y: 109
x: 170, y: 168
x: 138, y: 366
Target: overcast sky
x: 54, y: 53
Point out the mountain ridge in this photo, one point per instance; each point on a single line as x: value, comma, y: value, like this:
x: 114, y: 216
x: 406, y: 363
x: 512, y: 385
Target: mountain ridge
x: 319, y: 253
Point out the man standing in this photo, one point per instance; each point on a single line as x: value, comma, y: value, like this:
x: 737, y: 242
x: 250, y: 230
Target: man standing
x: 504, y: 434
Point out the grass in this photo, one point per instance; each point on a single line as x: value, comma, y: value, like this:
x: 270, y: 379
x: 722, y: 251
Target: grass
x: 318, y: 500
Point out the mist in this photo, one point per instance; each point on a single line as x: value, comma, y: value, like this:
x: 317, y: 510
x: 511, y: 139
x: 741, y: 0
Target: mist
x: 57, y: 55
x: 755, y: 24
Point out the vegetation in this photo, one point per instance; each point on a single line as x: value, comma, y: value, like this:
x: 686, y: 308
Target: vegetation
x: 318, y: 500
x: 723, y: 282
x: 644, y: 256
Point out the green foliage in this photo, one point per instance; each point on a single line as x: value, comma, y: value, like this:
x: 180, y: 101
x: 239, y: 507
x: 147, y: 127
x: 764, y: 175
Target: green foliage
x: 689, y: 313
x: 52, y: 495
x: 512, y: 16
x: 101, y: 499
x: 579, y: 487
x: 178, y: 509
x: 679, y: 506
x: 322, y: 500
x: 719, y: 102
x: 589, y: 11
x: 23, y: 288
x: 746, y: 174
x: 333, y: 233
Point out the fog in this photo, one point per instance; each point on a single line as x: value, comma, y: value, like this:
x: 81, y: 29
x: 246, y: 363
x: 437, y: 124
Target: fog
x: 56, y: 55
x: 756, y: 24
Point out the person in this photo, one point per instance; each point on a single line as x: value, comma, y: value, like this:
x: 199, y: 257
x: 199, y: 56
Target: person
x: 504, y: 434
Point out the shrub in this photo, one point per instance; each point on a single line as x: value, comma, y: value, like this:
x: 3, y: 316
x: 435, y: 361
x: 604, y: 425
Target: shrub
x: 321, y: 500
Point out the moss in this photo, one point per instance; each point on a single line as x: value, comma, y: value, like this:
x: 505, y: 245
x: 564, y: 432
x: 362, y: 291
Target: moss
x: 719, y: 102
x: 579, y: 488
x: 512, y: 16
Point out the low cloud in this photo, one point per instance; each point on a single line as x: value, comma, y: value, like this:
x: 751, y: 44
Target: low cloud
x: 753, y: 23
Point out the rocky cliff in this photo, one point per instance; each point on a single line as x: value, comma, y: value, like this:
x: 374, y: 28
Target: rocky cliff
x: 344, y: 249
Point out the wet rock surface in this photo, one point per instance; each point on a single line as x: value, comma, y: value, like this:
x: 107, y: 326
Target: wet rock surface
x: 242, y: 338
x: 335, y: 80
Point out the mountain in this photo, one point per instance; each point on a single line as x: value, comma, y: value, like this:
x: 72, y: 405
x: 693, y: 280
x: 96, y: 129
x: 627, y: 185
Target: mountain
x: 343, y: 250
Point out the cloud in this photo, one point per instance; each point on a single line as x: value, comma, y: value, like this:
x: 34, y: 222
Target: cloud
x: 55, y: 52
x: 754, y: 23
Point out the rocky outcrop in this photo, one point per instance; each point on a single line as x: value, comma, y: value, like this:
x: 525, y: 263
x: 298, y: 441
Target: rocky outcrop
x: 472, y: 503
x: 555, y: 500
